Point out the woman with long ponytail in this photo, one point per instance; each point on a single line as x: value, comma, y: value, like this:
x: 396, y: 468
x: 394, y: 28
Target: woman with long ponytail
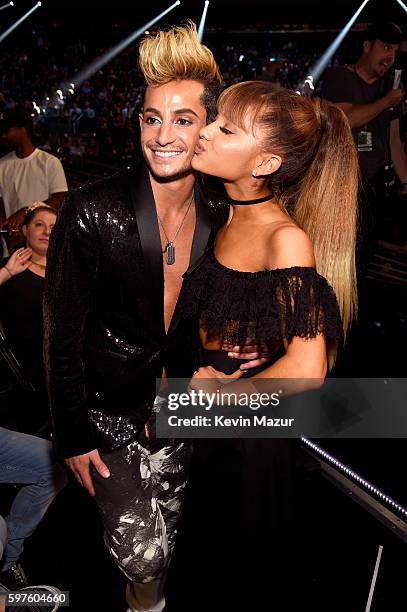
x: 281, y: 276
x: 326, y: 207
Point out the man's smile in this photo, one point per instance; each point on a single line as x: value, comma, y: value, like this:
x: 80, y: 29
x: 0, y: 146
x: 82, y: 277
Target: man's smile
x: 159, y: 153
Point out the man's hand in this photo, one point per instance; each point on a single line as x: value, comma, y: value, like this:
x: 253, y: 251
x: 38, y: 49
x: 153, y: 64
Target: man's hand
x: 206, y: 379
x: 257, y: 355
x: 80, y: 467
x: 394, y: 97
x: 14, y: 222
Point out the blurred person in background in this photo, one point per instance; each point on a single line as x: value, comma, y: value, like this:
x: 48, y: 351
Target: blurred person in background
x: 365, y: 93
x: 28, y: 461
x: 21, y: 291
x: 27, y: 174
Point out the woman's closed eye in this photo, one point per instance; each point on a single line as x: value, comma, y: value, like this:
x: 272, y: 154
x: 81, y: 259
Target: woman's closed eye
x: 225, y: 130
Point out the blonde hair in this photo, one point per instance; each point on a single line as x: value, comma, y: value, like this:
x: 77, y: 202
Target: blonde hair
x: 317, y: 183
x: 177, y: 54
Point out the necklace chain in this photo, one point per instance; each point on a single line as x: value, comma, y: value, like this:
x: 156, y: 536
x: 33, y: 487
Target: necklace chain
x: 38, y: 264
x: 169, y: 247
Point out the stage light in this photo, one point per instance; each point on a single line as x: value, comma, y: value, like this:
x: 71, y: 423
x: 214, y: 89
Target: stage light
x: 201, y: 27
x: 19, y: 21
x: 355, y: 476
x: 6, y: 5
x: 97, y: 64
x: 322, y: 63
x: 403, y: 6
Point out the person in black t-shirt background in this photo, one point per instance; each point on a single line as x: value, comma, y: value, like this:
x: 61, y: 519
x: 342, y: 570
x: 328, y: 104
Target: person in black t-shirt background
x: 26, y: 460
x: 21, y: 292
x: 364, y: 91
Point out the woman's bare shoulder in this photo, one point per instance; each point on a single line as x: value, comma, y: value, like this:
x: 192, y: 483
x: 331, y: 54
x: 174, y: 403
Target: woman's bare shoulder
x: 288, y: 246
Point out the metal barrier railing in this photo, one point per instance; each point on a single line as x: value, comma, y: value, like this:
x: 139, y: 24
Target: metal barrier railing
x: 383, y: 507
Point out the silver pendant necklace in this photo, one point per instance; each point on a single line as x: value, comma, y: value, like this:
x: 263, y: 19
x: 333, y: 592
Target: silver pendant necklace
x: 169, y: 248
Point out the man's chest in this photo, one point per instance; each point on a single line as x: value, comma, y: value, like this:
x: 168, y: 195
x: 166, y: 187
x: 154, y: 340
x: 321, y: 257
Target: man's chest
x: 176, y: 256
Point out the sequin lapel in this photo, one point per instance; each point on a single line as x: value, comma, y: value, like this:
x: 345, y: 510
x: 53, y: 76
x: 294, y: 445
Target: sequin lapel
x: 147, y: 223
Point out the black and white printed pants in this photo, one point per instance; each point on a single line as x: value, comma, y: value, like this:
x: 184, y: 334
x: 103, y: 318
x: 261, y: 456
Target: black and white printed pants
x: 140, y: 504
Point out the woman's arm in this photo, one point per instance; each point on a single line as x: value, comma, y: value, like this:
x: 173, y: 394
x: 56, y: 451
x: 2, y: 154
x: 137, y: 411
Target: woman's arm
x: 5, y: 275
x: 18, y: 262
x: 301, y: 368
x: 304, y: 358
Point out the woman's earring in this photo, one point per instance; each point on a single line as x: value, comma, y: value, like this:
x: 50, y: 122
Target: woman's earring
x: 254, y: 173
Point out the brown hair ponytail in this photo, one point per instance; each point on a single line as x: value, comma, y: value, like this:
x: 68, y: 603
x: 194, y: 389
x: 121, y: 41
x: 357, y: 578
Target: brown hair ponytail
x: 326, y: 206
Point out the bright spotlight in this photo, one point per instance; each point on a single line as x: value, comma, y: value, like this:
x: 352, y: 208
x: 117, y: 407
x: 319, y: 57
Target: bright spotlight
x: 4, y: 6
x: 19, y: 21
x: 322, y: 63
x: 403, y: 6
x: 96, y: 65
x: 201, y: 27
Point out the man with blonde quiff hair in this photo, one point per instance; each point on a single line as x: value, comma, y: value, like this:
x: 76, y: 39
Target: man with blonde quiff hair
x: 178, y: 55
x: 176, y: 67
x: 114, y: 272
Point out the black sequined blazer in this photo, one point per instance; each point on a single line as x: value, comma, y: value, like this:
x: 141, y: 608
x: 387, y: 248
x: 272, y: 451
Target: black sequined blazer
x: 105, y: 341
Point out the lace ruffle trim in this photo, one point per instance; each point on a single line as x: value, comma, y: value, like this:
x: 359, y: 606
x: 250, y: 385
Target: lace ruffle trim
x: 261, y: 307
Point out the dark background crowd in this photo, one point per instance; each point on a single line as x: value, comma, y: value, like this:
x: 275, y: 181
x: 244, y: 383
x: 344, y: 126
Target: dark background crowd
x: 98, y: 121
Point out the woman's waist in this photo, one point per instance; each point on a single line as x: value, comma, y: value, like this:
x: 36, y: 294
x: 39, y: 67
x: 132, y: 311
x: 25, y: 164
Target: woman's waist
x: 220, y: 360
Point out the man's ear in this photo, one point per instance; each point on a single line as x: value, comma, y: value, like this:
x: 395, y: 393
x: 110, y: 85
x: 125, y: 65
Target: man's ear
x: 367, y: 46
x: 266, y: 164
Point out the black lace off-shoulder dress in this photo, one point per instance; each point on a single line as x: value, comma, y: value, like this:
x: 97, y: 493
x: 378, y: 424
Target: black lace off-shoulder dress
x: 235, y: 536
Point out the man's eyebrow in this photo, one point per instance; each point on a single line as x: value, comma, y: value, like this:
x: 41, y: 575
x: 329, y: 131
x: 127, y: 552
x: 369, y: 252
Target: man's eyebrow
x: 179, y: 111
x: 183, y: 111
x: 150, y: 109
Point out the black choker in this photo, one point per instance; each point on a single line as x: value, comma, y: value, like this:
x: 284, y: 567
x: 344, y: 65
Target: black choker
x: 258, y: 201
